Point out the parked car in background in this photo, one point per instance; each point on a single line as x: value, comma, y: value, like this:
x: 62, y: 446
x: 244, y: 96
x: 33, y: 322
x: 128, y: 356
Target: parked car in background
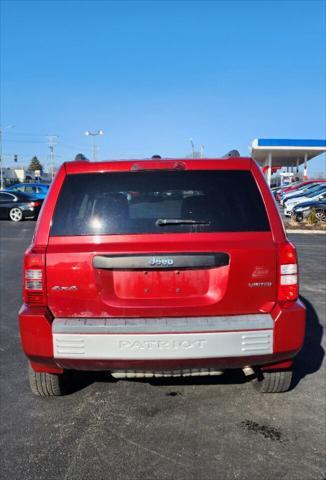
x: 293, y: 186
x: 318, y: 195
x: 17, y: 206
x: 280, y: 189
x: 193, y: 283
x: 304, y: 209
x: 311, y: 189
x: 38, y: 190
x: 302, y: 191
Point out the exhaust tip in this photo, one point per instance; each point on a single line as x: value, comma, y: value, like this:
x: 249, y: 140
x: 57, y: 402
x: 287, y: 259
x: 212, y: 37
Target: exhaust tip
x: 248, y: 371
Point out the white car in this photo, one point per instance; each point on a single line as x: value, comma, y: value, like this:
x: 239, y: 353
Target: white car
x: 289, y: 204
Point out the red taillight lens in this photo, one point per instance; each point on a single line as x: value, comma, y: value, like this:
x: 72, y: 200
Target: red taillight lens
x: 34, y: 277
x: 288, y: 285
x: 35, y: 204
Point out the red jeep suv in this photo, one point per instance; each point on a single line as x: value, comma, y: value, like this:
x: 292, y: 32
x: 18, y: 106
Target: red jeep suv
x: 156, y: 268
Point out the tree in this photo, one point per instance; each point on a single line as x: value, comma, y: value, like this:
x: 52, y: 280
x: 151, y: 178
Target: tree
x: 35, y: 165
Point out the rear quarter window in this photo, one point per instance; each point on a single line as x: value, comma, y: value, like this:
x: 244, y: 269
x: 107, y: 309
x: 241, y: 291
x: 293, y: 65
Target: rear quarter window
x: 136, y: 202
x: 30, y: 189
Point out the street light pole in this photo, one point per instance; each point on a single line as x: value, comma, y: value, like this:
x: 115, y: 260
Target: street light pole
x: 52, y: 141
x: 94, y: 135
x: 1, y: 156
x: 192, y: 147
x: 1, y: 171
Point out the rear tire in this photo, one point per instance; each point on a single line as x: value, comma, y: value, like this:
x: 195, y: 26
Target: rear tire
x: 298, y: 217
x: 273, y: 382
x: 16, y: 215
x: 321, y: 215
x: 45, y: 384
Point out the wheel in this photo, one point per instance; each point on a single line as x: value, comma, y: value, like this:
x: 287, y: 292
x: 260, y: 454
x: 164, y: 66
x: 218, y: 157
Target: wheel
x: 273, y: 382
x: 15, y: 214
x: 321, y: 215
x: 298, y: 217
x: 47, y: 384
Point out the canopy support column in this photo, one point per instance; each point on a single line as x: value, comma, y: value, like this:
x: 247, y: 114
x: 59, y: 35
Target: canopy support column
x: 269, y: 170
x: 305, y: 168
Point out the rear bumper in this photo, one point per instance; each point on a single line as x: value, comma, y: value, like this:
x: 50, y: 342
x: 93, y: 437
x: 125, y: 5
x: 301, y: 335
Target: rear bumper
x: 31, y: 212
x: 219, y: 342
x: 163, y: 339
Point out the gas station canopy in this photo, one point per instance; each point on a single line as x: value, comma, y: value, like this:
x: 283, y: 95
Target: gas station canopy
x: 285, y: 153
x: 273, y: 153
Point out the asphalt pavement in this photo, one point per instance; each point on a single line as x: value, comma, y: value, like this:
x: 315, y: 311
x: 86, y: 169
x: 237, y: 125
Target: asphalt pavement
x: 206, y: 429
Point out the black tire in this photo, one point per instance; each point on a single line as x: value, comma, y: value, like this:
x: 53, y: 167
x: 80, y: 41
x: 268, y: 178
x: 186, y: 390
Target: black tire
x: 298, y: 217
x: 16, y: 214
x: 47, y: 384
x: 273, y: 382
x: 321, y: 215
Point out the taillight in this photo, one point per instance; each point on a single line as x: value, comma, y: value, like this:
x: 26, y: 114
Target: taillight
x: 34, y: 277
x: 35, y: 204
x: 288, y: 285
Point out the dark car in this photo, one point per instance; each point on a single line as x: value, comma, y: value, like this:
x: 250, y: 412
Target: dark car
x: 18, y: 206
x: 303, y: 210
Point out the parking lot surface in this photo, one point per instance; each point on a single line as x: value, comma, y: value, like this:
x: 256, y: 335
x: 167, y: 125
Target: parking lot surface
x: 206, y: 429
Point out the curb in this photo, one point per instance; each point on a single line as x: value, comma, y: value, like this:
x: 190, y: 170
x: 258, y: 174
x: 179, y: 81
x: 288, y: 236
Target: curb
x: 306, y: 231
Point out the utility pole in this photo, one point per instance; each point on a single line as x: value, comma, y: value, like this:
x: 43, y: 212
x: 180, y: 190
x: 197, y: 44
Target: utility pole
x: 1, y: 156
x: 192, y: 147
x: 94, y: 135
x: 202, y: 151
x: 1, y: 163
x: 52, y: 141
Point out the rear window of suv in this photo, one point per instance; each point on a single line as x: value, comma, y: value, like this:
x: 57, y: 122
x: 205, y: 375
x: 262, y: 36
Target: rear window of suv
x: 159, y: 202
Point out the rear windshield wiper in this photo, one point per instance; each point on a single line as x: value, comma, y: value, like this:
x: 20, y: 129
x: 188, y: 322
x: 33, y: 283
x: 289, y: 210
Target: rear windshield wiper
x: 161, y: 222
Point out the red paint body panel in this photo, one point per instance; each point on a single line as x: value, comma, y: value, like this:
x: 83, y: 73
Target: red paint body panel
x: 289, y: 327
x: 36, y: 335
x: 185, y: 293
x: 173, y: 293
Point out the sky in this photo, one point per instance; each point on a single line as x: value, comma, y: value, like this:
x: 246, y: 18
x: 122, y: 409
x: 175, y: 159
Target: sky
x: 153, y: 74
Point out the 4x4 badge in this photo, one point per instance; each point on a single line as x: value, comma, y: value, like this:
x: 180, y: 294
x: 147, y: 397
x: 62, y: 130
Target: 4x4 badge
x: 161, y: 262
x: 59, y: 288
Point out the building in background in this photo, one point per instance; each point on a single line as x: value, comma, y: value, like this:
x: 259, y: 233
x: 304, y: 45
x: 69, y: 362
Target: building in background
x: 15, y: 175
x: 274, y: 155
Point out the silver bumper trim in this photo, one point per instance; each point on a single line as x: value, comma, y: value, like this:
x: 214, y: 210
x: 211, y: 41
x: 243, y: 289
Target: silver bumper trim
x: 162, y: 346
x: 163, y: 325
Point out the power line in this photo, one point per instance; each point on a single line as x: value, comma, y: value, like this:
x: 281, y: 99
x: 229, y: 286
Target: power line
x: 34, y: 134
x: 22, y: 141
